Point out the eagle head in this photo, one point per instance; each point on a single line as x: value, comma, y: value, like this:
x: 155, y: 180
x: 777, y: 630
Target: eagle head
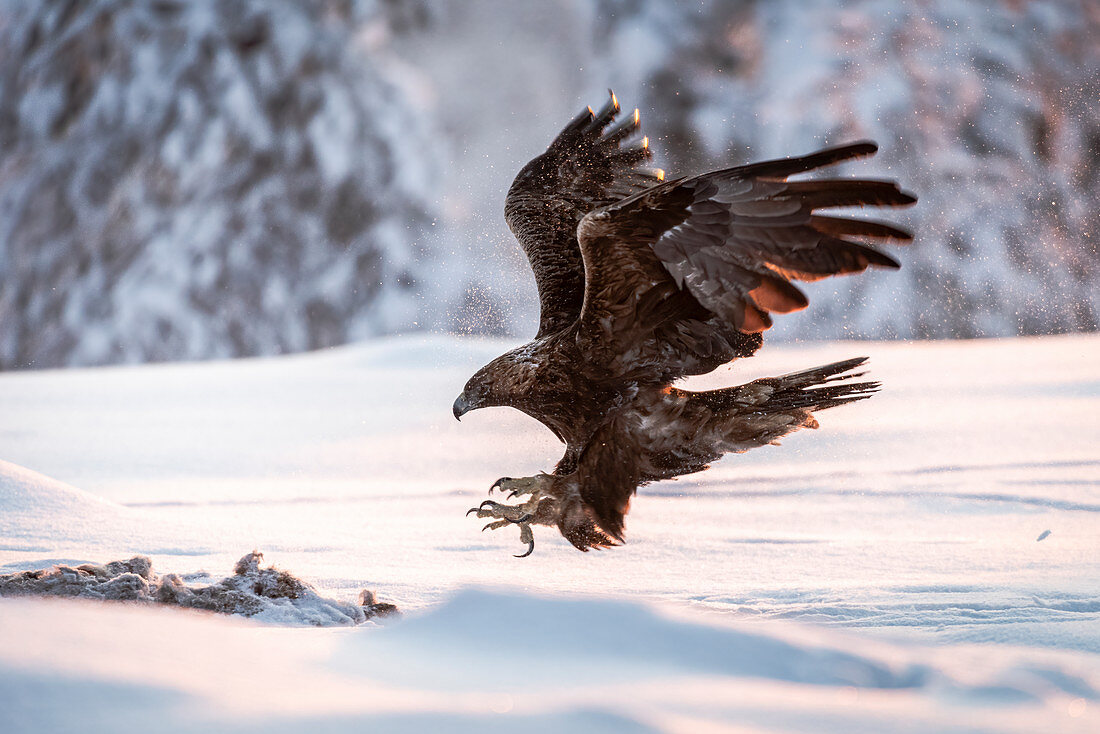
x: 478, y: 393
x: 465, y: 402
x: 502, y: 382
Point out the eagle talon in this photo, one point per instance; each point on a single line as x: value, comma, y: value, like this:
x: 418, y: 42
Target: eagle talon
x: 481, y: 508
x: 493, y: 507
x: 497, y: 484
x: 526, y: 535
x: 533, y: 486
x: 504, y: 515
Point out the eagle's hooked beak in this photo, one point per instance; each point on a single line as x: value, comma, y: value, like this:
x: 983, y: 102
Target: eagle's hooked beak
x: 461, y: 406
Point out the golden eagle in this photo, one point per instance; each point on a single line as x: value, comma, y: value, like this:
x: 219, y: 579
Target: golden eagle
x: 643, y: 281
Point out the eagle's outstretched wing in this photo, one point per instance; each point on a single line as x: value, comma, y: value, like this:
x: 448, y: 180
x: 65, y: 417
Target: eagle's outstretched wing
x: 677, y: 272
x: 583, y: 169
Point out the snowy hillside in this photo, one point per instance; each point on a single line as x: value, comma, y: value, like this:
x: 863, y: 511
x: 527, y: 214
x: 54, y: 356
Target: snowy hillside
x: 926, y: 561
x: 203, y: 179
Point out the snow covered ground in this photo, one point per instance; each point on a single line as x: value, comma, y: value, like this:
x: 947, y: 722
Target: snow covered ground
x: 927, y: 561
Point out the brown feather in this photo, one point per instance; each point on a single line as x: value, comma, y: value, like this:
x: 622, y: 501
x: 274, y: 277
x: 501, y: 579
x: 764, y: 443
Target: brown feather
x: 778, y: 296
x: 783, y: 167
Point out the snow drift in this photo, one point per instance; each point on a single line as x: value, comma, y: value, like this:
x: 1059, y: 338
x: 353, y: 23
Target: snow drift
x: 500, y: 660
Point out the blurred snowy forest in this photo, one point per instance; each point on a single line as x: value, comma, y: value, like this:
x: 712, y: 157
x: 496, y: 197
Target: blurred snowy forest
x: 221, y: 178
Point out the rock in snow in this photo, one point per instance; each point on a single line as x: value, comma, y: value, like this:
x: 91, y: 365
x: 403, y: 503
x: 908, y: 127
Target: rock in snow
x: 268, y: 594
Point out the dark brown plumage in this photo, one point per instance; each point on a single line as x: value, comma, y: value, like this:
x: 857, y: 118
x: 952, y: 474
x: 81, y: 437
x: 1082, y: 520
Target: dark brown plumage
x: 643, y: 281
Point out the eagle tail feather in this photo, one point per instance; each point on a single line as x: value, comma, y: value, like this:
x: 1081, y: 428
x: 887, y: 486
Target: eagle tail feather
x: 819, y: 388
x: 824, y: 372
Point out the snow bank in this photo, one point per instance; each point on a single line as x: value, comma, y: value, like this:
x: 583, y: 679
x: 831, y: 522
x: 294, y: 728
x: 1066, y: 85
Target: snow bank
x: 502, y: 629
x: 25, y: 493
x: 35, y: 509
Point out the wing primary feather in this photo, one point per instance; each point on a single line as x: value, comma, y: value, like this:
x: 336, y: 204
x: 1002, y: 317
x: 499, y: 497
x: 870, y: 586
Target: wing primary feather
x: 606, y: 114
x: 628, y: 157
x: 620, y: 132
x: 830, y: 256
x: 754, y: 320
x: 828, y: 193
x: 841, y: 227
x: 783, y: 167
x: 576, y: 125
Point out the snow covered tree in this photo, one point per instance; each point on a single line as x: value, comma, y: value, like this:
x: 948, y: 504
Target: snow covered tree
x: 214, y: 179
x: 206, y: 179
